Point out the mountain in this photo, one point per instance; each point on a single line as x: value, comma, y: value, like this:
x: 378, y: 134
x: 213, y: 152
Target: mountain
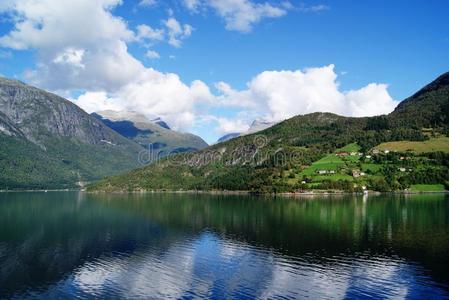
x: 429, y: 107
x: 156, y: 132
x: 228, y: 137
x: 49, y: 142
x: 256, y: 126
x: 317, y: 151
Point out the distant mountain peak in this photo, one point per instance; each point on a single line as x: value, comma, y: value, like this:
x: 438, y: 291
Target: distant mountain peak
x: 259, y: 125
x: 228, y: 136
x: 154, y: 131
x: 132, y: 116
x: 258, y: 122
x: 161, y: 123
x: 256, y: 126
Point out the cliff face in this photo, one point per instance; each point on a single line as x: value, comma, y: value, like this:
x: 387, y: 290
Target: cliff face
x: 55, y: 132
x: 36, y: 113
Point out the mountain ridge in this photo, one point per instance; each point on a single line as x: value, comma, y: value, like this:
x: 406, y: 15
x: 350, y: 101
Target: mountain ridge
x: 256, y: 126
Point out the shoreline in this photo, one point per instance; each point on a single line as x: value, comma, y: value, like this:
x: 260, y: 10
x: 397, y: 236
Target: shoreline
x: 225, y: 192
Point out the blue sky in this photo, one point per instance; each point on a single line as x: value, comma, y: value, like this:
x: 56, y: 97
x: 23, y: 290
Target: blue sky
x: 349, y: 57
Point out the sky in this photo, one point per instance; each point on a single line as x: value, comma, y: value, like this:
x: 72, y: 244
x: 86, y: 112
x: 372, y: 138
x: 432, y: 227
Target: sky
x: 211, y: 67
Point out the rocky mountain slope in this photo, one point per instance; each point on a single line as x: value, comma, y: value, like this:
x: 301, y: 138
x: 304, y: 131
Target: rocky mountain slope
x: 275, y: 159
x: 256, y: 126
x: 147, y: 132
x: 49, y: 142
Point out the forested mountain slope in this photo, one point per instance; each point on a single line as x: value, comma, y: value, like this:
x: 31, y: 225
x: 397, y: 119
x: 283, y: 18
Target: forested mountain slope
x: 274, y: 159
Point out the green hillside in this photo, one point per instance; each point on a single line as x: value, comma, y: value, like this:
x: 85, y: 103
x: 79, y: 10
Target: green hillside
x: 287, y: 156
x: 433, y: 144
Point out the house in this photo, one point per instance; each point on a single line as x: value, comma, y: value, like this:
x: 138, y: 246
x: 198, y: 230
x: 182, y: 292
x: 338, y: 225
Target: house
x: 386, y: 151
x: 375, y: 151
x: 402, y: 169
x: 323, y: 172
x: 357, y: 173
x: 353, y: 153
x: 342, y: 154
x: 368, y: 156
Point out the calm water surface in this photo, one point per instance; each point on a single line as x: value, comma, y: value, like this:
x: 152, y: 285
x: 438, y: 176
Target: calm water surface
x: 165, y: 246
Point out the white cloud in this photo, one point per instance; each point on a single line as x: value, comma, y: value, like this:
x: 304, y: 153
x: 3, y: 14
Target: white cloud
x: 145, y: 32
x: 147, y: 3
x: 240, y: 15
x: 230, y: 97
x: 151, y: 54
x: 49, y: 24
x: 313, y: 8
x: 73, y: 56
x: 192, y: 4
x: 232, y: 125
x: 85, y: 35
x: 370, y: 100
x: 278, y: 95
x: 176, y: 31
x: 154, y: 94
x: 96, y: 101
x: 85, y: 48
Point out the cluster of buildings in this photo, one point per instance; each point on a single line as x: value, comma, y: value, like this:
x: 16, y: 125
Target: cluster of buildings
x: 358, y: 173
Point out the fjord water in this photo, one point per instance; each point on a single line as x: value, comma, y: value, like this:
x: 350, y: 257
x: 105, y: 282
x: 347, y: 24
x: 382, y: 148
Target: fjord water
x: 77, y: 245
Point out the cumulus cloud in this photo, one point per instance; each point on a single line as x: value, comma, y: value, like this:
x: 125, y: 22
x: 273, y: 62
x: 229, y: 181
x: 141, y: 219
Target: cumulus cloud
x: 370, y: 100
x: 147, y: 3
x: 151, y: 54
x: 146, y: 32
x: 192, y: 4
x: 97, y: 101
x: 177, y: 31
x: 279, y: 95
x: 154, y: 94
x: 240, y: 15
x: 49, y: 24
x: 226, y: 125
x: 173, y: 32
x: 73, y: 56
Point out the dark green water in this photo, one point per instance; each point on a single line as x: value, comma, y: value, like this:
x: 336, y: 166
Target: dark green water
x: 162, y: 246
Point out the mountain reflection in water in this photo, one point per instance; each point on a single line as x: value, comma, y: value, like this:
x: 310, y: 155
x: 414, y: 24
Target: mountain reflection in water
x: 55, y: 245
